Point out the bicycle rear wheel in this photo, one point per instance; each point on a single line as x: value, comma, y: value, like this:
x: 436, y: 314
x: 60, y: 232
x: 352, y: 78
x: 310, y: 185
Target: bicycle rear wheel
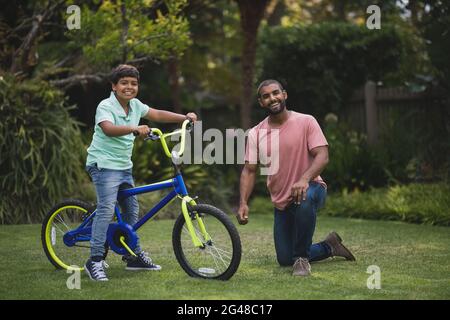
x: 219, y: 257
x: 64, y: 217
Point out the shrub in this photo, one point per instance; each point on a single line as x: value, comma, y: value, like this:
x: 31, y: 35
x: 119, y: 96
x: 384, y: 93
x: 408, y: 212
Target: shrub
x: 41, y: 151
x: 322, y: 64
x: 417, y: 203
x: 353, y: 164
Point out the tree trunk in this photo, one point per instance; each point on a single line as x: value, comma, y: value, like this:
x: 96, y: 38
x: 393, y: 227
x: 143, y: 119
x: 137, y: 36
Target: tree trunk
x: 278, y: 11
x: 251, y: 13
x: 24, y: 58
x: 124, y: 35
x: 340, y: 10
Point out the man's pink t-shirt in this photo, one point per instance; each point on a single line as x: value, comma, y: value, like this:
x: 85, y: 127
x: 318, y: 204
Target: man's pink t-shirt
x: 292, y: 142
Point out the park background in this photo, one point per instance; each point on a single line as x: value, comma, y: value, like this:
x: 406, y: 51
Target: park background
x: 381, y: 97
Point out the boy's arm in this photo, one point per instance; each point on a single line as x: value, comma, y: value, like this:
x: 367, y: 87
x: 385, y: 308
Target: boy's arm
x: 167, y: 116
x: 112, y: 130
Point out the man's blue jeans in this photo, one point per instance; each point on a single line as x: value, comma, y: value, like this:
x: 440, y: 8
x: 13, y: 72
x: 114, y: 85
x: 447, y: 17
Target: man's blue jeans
x: 294, y: 228
x: 107, y: 183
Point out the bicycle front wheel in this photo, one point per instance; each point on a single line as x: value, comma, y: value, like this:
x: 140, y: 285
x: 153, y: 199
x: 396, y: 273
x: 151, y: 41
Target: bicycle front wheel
x: 219, y: 256
x: 62, y: 218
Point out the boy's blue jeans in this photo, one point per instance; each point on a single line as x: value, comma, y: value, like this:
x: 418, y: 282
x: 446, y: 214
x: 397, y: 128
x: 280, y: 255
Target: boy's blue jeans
x: 107, y: 183
x: 294, y: 228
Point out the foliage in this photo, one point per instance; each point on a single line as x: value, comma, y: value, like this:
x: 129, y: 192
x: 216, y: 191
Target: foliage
x: 435, y: 26
x: 41, y: 150
x: 322, y: 64
x: 119, y: 31
x: 415, y: 203
x: 414, y: 144
x: 209, y: 67
x: 353, y: 164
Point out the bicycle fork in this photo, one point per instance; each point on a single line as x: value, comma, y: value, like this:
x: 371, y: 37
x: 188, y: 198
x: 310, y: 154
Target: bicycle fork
x: 192, y: 231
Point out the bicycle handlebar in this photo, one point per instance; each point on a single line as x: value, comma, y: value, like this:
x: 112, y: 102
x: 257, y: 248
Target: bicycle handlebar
x: 156, y: 134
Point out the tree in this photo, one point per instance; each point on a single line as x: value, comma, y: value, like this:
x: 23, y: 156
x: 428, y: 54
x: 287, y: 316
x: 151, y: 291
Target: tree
x: 251, y: 13
x: 41, y: 146
x: 130, y: 31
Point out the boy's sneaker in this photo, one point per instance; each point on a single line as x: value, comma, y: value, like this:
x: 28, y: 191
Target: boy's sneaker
x: 95, y: 270
x: 141, y: 262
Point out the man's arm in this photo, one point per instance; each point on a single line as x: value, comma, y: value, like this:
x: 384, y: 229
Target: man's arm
x: 320, y: 155
x: 167, y: 116
x: 247, y: 182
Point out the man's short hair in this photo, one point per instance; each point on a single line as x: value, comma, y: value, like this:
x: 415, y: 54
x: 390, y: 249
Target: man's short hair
x: 266, y: 83
x: 122, y: 71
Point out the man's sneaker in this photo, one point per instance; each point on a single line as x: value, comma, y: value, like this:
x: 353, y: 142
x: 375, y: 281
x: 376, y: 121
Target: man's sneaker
x: 337, y: 248
x: 301, y: 267
x: 141, y: 262
x: 95, y: 270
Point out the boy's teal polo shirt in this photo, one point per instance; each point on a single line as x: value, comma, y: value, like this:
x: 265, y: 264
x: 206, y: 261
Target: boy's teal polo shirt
x: 114, y: 152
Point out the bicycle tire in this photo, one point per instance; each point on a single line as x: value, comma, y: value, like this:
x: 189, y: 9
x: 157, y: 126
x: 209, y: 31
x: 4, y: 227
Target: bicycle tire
x: 59, y: 254
x: 207, y: 262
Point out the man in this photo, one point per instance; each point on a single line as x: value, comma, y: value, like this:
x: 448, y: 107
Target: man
x: 296, y: 188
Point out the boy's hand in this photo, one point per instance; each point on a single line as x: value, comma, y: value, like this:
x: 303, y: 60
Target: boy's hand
x: 192, y: 116
x: 142, y: 131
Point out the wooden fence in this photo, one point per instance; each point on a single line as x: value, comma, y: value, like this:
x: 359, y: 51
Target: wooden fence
x: 371, y: 107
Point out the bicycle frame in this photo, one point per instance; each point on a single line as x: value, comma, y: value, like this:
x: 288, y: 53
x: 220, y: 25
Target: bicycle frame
x: 179, y: 190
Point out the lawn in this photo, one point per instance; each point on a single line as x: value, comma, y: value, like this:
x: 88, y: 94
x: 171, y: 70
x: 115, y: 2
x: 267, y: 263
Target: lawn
x: 414, y: 261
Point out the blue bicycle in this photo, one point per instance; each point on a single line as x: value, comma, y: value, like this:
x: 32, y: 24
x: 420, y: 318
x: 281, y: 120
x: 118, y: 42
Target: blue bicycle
x: 205, y: 241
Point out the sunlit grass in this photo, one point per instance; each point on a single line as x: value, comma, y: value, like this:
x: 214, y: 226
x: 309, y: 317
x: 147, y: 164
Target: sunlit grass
x: 414, y: 262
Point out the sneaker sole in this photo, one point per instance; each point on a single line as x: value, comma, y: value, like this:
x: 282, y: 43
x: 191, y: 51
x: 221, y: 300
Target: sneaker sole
x: 137, y: 269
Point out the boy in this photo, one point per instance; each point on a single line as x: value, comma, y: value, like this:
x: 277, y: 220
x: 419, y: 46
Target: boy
x: 109, y: 163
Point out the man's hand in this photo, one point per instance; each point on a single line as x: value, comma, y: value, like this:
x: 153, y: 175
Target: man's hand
x: 298, y: 191
x: 142, y: 131
x: 192, y: 116
x: 242, y: 215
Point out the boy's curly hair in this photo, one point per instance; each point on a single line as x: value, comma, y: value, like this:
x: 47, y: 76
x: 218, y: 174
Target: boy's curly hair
x: 123, y: 70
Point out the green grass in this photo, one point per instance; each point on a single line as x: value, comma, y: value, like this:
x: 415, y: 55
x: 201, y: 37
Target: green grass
x: 414, y: 262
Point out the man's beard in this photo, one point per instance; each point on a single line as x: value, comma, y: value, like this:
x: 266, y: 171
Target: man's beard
x: 281, y: 109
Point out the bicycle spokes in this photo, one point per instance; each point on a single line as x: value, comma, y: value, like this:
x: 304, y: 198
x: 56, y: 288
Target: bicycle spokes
x: 220, y: 250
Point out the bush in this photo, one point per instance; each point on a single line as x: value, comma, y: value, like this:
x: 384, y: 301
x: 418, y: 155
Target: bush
x: 322, y: 64
x: 42, y: 155
x: 353, y: 163
x: 417, y: 203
